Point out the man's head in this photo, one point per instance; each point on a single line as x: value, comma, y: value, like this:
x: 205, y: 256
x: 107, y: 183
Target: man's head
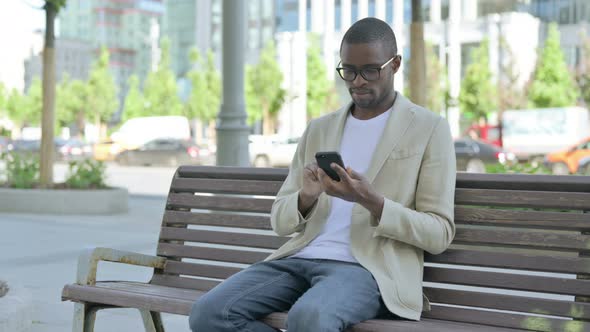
x: 369, y: 60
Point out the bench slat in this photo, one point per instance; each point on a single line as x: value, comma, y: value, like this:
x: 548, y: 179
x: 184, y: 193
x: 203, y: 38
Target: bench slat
x: 201, y: 270
x: 516, y: 218
x: 509, y: 281
x: 236, y: 239
x: 216, y: 254
x: 217, y: 219
x: 537, y: 182
x: 183, y: 282
x: 521, y: 198
x: 508, y: 302
x: 508, y: 320
x: 527, y: 239
x: 556, y: 264
x: 225, y: 203
x: 238, y: 173
x: 531, y: 262
x: 224, y: 186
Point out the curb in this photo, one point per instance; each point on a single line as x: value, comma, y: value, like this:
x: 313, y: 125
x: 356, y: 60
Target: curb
x: 16, y: 310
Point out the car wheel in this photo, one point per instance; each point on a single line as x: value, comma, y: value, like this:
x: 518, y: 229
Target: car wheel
x: 261, y: 161
x: 560, y: 169
x: 475, y: 166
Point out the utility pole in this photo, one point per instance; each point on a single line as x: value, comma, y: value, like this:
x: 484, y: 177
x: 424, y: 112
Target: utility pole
x: 232, y: 131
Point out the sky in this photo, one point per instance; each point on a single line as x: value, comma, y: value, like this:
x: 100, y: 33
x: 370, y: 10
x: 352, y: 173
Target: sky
x: 18, y: 21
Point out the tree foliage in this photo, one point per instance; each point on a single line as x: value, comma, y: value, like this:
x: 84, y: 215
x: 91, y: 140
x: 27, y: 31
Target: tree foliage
x: 102, y: 91
x: 72, y: 102
x: 437, y: 84
x: 264, y: 93
x: 205, y: 96
x: 552, y: 84
x: 583, y: 73
x: 321, y: 93
x: 478, y: 96
x: 160, y: 90
x: 510, y: 92
x: 134, y: 105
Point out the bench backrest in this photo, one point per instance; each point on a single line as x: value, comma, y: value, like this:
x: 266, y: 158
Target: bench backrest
x: 519, y: 258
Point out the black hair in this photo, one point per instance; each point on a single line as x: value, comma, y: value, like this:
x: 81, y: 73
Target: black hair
x: 370, y: 30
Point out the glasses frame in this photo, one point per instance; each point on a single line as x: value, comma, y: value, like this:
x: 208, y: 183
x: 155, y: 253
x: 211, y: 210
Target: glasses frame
x: 339, y: 69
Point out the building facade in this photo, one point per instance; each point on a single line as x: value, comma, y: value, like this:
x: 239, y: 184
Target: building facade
x: 72, y: 58
x: 129, y: 29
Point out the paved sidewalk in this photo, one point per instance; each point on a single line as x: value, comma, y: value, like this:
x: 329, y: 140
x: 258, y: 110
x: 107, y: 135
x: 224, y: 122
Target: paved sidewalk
x: 40, y: 253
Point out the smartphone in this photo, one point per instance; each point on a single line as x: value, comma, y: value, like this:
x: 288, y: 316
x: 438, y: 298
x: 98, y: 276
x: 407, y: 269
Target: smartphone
x: 325, y: 159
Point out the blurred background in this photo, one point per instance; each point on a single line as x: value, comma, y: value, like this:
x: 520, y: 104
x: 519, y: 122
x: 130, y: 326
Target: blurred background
x: 138, y: 82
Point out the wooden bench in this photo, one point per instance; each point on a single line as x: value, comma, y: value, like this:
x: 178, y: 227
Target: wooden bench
x: 519, y: 260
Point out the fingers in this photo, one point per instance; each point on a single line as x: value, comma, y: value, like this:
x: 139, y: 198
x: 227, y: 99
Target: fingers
x: 342, y: 173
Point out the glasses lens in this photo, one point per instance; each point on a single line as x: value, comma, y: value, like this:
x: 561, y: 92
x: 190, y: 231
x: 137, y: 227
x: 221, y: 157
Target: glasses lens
x: 347, y: 74
x: 370, y: 74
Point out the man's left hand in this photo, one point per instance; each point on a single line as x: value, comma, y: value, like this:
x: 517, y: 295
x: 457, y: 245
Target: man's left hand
x: 352, y: 187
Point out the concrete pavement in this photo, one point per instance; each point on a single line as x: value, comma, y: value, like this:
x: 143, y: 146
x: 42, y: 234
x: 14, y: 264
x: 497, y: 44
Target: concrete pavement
x: 40, y: 253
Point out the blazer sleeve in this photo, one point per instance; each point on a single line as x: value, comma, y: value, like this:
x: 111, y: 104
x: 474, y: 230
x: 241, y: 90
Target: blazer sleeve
x: 430, y: 226
x: 285, y: 217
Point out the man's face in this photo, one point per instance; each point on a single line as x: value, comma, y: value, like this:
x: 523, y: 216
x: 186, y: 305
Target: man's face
x: 369, y: 93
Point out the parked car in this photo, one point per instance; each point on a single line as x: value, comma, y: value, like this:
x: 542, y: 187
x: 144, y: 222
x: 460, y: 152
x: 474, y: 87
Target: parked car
x: 272, y: 151
x: 584, y: 166
x: 165, y: 152
x: 74, y: 149
x: 473, y: 155
x: 567, y: 161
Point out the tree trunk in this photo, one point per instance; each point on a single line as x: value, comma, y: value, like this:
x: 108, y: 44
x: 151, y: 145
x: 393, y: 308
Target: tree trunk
x: 48, y: 116
x: 266, y: 122
x: 81, y: 124
x: 417, y: 57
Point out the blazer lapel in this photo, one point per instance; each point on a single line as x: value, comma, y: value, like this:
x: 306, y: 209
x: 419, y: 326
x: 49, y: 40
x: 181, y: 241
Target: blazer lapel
x: 334, y: 134
x: 398, y: 123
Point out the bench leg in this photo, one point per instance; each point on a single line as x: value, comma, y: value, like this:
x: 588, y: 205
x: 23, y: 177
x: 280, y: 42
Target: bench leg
x: 152, y: 321
x: 84, y: 317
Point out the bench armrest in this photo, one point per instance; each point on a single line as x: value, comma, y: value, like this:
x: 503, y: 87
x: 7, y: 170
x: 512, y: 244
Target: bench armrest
x: 88, y: 262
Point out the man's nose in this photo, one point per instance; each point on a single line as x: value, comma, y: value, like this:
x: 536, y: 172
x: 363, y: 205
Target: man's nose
x: 359, y: 80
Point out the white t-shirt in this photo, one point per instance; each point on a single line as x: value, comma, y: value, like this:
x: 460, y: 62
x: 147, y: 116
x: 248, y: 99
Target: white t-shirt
x: 359, y: 140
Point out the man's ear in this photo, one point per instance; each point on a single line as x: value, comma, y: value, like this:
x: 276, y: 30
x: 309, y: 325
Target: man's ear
x: 396, y: 63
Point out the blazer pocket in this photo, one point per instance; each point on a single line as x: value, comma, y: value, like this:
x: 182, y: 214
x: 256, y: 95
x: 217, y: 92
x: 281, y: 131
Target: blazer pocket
x: 403, y: 153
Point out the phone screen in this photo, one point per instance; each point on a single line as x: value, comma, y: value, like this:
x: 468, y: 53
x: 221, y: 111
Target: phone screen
x: 325, y: 159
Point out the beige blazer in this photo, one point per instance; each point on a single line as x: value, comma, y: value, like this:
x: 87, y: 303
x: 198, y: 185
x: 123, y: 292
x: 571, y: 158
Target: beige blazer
x: 414, y: 168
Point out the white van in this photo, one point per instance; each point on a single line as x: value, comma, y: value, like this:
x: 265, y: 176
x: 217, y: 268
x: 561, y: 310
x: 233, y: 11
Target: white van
x: 138, y: 131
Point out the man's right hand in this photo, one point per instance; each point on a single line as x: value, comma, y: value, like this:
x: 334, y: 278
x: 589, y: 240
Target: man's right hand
x: 311, y: 189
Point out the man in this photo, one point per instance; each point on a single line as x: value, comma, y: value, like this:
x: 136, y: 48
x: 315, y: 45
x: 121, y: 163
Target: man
x: 359, y: 251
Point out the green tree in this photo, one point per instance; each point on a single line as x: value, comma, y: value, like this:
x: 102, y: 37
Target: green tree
x: 437, y: 85
x: 321, y: 93
x: 134, y: 105
x: 18, y: 108
x: 3, y: 97
x: 72, y: 103
x: 510, y: 92
x: 478, y: 97
x: 583, y: 72
x: 160, y: 90
x: 264, y: 84
x: 552, y: 84
x: 102, y: 91
x: 205, y: 96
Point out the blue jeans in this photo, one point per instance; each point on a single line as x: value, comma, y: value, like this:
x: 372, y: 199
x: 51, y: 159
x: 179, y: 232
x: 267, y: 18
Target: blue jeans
x: 320, y: 295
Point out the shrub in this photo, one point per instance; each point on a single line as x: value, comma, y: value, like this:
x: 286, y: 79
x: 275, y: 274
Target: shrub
x: 21, y: 170
x: 86, y: 174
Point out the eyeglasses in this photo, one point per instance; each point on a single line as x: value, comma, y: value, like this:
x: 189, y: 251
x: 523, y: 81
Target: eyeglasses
x: 370, y: 74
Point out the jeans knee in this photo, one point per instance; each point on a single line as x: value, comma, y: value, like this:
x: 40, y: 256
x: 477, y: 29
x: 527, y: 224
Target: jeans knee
x: 205, y: 316
x: 311, y: 318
